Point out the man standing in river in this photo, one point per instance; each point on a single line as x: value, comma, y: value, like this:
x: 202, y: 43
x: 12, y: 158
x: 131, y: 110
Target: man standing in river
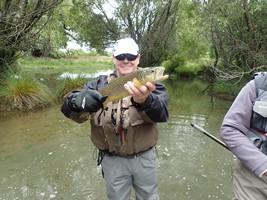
x: 125, y: 133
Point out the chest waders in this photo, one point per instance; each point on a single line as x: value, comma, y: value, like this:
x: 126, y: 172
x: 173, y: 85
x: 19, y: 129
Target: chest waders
x: 258, y: 127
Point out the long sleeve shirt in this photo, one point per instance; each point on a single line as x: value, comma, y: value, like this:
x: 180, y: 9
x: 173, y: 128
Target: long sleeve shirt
x: 236, y: 125
x: 140, y: 120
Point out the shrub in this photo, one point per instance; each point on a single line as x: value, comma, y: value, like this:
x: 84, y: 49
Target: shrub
x: 173, y: 63
x: 185, y: 72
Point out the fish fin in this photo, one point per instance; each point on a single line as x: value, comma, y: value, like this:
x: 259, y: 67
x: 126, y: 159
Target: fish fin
x: 104, y: 106
x: 137, y: 82
x: 104, y: 101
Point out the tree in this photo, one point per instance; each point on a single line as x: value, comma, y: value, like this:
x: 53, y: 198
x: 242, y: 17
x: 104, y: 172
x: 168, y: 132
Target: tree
x: 150, y: 23
x: 89, y: 26
x: 237, y: 31
x: 20, y: 25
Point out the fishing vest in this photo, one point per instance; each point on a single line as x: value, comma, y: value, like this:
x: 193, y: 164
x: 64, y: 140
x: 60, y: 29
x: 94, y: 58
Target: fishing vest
x: 258, y: 126
x: 122, y: 129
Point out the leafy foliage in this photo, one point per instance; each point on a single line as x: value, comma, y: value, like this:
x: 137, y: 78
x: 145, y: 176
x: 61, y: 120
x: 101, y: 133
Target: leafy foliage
x: 192, y: 45
x: 151, y: 23
x: 237, y: 31
x: 19, y: 27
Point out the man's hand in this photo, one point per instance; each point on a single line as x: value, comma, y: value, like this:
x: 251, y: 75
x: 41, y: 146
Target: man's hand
x: 139, y: 93
x: 88, y: 100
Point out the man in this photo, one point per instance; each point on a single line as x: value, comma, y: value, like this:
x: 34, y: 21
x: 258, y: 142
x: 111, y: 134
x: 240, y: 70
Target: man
x: 243, y: 130
x: 125, y: 132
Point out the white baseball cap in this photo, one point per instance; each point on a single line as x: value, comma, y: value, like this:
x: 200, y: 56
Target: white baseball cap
x: 126, y: 45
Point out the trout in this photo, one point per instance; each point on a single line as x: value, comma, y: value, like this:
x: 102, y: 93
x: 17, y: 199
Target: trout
x: 115, y: 90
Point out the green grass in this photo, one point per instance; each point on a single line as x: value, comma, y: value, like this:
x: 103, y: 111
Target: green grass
x: 37, y: 83
x: 23, y: 91
x: 79, y: 65
x: 64, y: 86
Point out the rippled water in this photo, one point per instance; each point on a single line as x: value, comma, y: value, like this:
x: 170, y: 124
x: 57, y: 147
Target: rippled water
x: 44, y: 155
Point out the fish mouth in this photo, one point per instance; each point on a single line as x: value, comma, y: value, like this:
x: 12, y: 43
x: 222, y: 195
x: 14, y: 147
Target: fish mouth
x: 160, y: 73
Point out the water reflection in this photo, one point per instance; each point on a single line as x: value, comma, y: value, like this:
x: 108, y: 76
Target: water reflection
x: 74, y: 75
x: 46, y: 156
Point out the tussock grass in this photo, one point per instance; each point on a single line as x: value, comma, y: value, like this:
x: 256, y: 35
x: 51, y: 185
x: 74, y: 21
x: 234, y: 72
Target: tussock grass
x: 38, y: 85
x: 68, y: 84
x: 25, y: 92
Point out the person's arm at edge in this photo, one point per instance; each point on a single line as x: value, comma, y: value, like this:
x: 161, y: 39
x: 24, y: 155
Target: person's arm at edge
x: 234, y: 127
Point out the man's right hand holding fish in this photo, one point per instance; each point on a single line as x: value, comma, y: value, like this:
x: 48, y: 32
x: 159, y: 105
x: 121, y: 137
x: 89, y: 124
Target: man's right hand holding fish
x: 139, y: 93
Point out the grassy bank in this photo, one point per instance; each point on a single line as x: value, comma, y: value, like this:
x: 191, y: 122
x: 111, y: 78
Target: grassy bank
x: 72, y: 64
x: 38, y: 82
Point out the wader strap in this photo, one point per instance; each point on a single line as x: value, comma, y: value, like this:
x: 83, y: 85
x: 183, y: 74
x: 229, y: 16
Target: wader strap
x: 100, y: 156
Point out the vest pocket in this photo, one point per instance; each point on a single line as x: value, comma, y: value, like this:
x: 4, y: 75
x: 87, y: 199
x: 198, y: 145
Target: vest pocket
x: 134, y: 117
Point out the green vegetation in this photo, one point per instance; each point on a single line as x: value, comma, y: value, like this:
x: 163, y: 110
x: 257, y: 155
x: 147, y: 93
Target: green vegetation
x: 179, y: 67
x: 220, y: 41
x: 73, y: 64
x: 228, y: 90
x: 67, y: 84
x: 38, y: 83
x: 25, y: 92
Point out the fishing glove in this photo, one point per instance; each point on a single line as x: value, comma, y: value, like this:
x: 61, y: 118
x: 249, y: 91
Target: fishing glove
x: 87, y: 100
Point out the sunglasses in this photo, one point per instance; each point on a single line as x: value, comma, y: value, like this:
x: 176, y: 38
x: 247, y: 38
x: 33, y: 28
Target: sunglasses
x: 130, y: 57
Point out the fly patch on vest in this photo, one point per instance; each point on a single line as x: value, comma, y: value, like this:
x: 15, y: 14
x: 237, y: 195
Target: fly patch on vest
x: 120, y: 119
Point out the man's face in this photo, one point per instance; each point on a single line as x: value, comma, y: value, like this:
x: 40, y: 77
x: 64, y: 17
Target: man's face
x: 125, y: 64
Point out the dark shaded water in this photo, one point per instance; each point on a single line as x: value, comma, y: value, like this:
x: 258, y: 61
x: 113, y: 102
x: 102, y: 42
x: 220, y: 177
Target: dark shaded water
x: 44, y: 155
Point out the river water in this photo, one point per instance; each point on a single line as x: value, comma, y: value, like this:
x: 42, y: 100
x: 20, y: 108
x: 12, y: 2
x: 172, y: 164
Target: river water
x: 44, y: 155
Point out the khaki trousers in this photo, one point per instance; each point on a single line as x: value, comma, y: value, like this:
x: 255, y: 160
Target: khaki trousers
x: 248, y: 186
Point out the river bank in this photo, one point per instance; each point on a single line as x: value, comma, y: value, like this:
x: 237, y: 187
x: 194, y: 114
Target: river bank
x: 42, y: 82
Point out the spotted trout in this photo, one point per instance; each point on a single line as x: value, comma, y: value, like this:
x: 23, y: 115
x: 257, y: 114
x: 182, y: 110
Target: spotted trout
x: 115, y: 89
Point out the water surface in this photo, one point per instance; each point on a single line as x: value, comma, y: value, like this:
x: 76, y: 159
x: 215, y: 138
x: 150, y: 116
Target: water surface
x: 44, y: 155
